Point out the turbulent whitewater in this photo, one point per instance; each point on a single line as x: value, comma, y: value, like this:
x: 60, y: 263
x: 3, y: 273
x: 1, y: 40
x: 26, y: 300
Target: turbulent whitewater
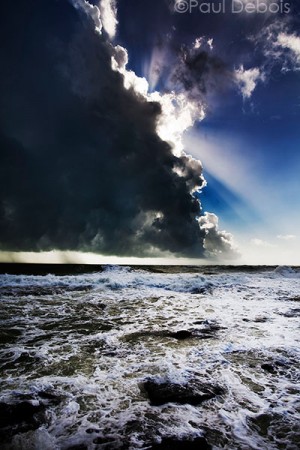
x: 149, y: 358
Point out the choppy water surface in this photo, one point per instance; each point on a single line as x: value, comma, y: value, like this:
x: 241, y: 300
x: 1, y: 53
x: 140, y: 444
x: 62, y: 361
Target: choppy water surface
x: 80, y: 348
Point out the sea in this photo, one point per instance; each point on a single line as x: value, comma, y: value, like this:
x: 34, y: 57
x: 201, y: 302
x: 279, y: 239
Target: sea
x: 149, y: 357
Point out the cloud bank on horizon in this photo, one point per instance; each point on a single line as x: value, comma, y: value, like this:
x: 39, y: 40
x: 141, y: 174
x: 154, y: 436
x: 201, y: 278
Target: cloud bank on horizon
x: 89, y: 160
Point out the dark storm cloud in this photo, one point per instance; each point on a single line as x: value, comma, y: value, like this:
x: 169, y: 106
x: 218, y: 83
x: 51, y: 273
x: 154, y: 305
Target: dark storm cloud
x: 82, y: 167
x: 199, y: 74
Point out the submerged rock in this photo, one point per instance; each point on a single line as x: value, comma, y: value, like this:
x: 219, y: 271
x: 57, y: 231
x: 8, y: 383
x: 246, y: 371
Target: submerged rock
x: 292, y: 313
x: 26, y: 412
x: 50, y: 398
x: 261, y: 422
x: 20, y: 418
x: 203, y: 290
x: 192, y: 393
x: 198, y: 443
x: 269, y: 368
x: 181, y: 335
x: 78, y: 447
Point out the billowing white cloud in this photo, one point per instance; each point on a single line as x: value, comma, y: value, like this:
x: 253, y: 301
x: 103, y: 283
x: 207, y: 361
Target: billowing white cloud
x: 104, y: 15
x: 247, y: 80
x: 178, y: 114
x: 108, y: 11
x: 91, y: 10
x: 216, y: 241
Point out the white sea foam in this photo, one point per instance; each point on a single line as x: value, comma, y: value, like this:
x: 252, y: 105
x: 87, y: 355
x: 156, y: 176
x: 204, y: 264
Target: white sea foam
x: 94, y: 349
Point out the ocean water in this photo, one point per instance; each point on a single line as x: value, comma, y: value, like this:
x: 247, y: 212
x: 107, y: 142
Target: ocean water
x: 77, y: 351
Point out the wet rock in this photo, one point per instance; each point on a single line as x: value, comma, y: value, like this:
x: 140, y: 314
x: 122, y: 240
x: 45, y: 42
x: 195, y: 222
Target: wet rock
x: 78, y: 447
x: 192, y: 393
x: 294, y: 299
x: 9, y: 336
x: 203, y: 333
x: 202, y: 290
x: 199, y: 290
x: 92, y: 430
x: 20, y: 418
x: 101, y: 305
x: 261, y: 319
x: 182, y: 334
x: 198, y: 443
x: 108, y: 442
x: 292, y: 313
x: 261, y: 422
x: 110, y: 354
x: 269, y: 368
x: 206, y: 332
x: 50, y: 398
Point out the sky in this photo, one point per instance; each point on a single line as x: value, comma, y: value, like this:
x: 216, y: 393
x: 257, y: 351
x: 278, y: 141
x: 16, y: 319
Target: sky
x: 150, y: 131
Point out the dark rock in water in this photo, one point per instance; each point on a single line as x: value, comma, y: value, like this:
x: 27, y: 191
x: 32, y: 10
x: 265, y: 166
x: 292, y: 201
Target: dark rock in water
x: 182, y: 334
x: 198, y: 290
x: 45, y: 398
x: 198, y: 443
x: 110, y: 354
x: 9, y: 336
x: 295, y: 299
x: 268, y: 368
x: 292, y: 313
x: 108, y: 442
x: 92, y: 430
x: 78, y: 447
x: 192, y: 393
x: 50, y: 398
x: 206, y: 332
x: 202, y: 290
x: 203, y: 333
x: 101, y: 305
x: 261, y: 319
x: 20, y: 418
x: 261, y: 422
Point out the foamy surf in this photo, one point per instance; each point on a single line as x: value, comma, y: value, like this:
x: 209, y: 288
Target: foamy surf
x: 131, y: 358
